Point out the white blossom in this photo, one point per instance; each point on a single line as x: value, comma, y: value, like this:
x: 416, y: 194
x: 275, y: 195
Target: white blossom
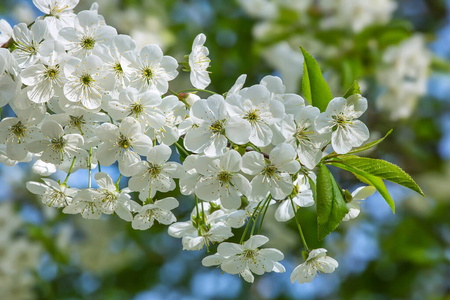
x: 28, y: 42
x: 150, y: 69
x: 87, y: 82
x: 317, y: 261
x: 199, y: 63
x: 159, y: 211
x: 255, y: 108
x: 340, y: 119
x: 241, y: 259
x: 214, y: 127
x: 56, y: 146
x: 112, y: 200
x: 58, y: 14
x: 86, y: 203
x: 46, y: 78
x: 155, y: 174
x: 52, y: 193
x: 358, y: 195
x: 221, y: 179
x: 272, y: 176
x: 87, y: 33
x: 123, y: 143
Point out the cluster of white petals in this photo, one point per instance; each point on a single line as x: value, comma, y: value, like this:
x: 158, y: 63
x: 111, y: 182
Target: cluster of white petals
x: 84, y: 97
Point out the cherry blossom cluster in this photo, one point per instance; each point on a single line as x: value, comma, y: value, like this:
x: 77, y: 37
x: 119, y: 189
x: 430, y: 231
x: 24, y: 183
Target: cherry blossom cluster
x: 84, y: 97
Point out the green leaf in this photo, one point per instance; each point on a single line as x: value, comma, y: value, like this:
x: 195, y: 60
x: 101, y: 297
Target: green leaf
x: 312, y: 185
x: 331, y: 207
x: 370, y: 145
x: 382, y: 169
x: 306, y: 85
x: 315, y: 88
x: 370, y: 179
x: 353, y: 90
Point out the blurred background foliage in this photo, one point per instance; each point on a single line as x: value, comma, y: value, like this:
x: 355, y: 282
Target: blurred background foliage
x: 399, y: 51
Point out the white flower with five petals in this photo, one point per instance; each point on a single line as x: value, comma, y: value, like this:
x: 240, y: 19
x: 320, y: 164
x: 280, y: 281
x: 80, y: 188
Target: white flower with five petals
x: 340, y: 119
x: 273, y: 175
x: 123, y: 143
x: 221, y: 179
x: 247, y: 258
x: 213, y: 127
x: 317, y: 261
x: 159, y: 211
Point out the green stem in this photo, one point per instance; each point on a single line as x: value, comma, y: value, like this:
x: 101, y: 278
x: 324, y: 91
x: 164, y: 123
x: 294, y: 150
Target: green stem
x: 99, y: 168
x: 204, y: 224
x: 248, y: 223
x: 149, y: 199
x: 198, y: 215
x: 298, y: 226
x: 265, y: 211
x: 175, y: 93
x: 1, y: 113
x: 197, y: 90
x: 181, y: 148
x: 89, y: 166
x: 203, y: 214
x: 70, y: 170
x: 117, y: 182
